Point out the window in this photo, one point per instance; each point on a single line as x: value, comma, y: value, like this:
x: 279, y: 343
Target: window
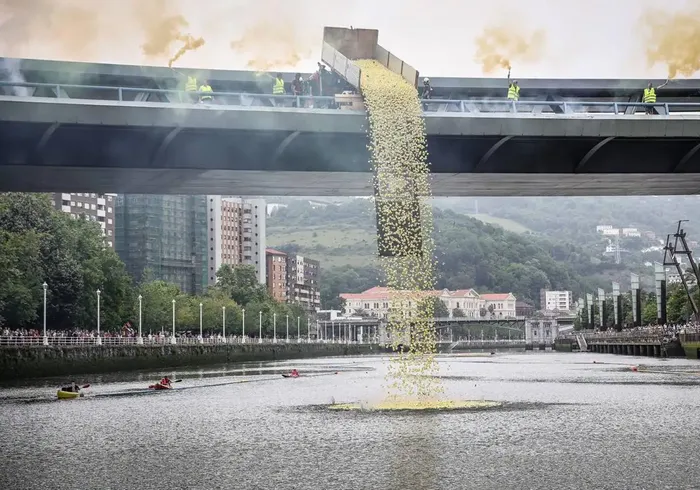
x: 72, y: 203
x: 80, y: 204
x: 109, y: 232
x: 109, y: 221
x: 109, y: 210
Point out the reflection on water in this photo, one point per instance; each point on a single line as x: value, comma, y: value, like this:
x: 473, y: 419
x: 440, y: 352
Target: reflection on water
x: 567, y: 423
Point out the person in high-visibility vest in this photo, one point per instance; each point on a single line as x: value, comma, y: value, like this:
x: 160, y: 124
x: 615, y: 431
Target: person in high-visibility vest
x: 205, y: 92
x: 513, y: 89
x: 278, y: 85
x: 191, y: 88
x: 649, y: 96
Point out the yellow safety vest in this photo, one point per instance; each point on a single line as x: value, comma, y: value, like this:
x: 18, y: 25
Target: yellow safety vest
x: 191, y: 85
x: 513, y: 92
x: 205, y: 88
x: 649, y: 96
x: 278, y: 88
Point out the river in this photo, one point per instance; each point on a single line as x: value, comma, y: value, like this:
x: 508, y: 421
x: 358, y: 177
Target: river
x: 571, y: 421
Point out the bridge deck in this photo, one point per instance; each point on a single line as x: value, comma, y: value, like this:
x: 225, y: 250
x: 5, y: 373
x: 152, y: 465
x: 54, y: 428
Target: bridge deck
x: 53, y: 144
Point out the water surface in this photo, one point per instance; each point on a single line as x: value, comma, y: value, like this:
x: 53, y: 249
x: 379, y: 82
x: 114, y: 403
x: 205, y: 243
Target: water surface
x: 568, y: 423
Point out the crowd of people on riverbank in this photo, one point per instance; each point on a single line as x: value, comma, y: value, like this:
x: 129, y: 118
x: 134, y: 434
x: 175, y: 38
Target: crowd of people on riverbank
x: 666, y: 331
x: 77, y: 336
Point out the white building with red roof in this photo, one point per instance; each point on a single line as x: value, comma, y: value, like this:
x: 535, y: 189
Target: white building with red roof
x: 377, y: 302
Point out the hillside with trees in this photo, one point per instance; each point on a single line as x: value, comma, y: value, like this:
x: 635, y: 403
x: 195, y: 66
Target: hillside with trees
x: 577, y: 217
x: 469, y: 253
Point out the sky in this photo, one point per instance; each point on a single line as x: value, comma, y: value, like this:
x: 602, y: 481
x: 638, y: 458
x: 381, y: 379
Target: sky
x: 548, y: 38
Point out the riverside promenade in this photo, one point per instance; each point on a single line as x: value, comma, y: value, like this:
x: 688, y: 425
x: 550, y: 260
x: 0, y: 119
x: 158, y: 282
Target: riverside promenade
x: 33, y: 360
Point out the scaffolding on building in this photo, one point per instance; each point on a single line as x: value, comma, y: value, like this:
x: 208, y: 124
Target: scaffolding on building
x: 166, y: 235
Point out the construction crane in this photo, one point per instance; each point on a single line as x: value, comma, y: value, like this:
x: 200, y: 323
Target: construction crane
x: 671, y: 250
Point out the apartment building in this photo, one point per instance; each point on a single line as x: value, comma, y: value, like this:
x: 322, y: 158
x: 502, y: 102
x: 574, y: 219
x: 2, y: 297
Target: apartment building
x: 556, y: 300
x: 276, y: 266
x: 90, y: 206
x: 377, y: 302
x: 302, y: 282
x: 166, y: 235
x: 236, y: 234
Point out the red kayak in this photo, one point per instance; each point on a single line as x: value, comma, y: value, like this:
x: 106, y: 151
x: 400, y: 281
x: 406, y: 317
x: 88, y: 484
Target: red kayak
x: 159, y: 386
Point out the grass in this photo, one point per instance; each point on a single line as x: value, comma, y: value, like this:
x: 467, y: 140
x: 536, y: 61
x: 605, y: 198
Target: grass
x: 505, y: 223
x: 341, y: 245
x: 347, y: 244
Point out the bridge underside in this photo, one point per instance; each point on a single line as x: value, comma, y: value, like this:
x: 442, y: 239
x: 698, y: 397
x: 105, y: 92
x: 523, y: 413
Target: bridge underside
x: 40, y: 157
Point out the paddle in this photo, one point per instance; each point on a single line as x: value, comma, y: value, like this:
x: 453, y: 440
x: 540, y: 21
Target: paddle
x: 85, y: 386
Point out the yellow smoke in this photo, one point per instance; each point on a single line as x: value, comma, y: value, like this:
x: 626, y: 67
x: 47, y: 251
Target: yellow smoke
x: 499, y: 46
x: 267, y: 44
x: 673, y: 39
x: 164, y: 25
x: 77, y: 30
x: 191, y: 43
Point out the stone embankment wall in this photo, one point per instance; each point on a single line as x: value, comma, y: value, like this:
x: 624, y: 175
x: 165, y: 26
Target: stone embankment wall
x: 39, y: 361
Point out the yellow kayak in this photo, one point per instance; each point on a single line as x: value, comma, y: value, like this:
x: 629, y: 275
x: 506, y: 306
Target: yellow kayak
x: 66, y: 395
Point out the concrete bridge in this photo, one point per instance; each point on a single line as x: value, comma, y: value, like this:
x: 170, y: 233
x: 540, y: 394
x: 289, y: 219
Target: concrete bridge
x: 142, y: 139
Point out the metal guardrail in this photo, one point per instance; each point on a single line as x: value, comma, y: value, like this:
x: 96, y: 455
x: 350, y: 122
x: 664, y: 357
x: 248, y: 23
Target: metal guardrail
x: 307, y: 102
x: 6, y: 341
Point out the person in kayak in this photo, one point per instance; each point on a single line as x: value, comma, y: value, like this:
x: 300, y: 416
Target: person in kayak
x: 165, y: 381
x: 73, y: 388
x: 294, y: 373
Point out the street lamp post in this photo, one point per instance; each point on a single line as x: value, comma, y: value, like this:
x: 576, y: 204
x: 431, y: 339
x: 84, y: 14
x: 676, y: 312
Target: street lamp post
x: 287, y: 328
x: 308, y: 329
x: 99, y: 339
x: 260, y: 323
x: 243, y: 326
x: 140, y: 339
x: 201, y: 323
x: 46, y: 337
x: 223, y: 321
x: 274, y: 328
x: 332, y: 332
x: 173, y: 340
x: 298, y: 329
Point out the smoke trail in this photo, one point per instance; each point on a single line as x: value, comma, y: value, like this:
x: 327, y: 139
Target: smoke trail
x: 76, y: 30
x: 673, y: 39
x: 164, y: 25
x: 498, y: 46
x: 267, y: 45
x: 43, y: 22
x: 10, y: 70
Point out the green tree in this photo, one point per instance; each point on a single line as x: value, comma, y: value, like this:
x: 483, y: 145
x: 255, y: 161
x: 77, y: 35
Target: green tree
x: 157, y: 304
x: 436, y: 306
x: 649, y: 310
x: 240, y: 283
x: 458, y: 313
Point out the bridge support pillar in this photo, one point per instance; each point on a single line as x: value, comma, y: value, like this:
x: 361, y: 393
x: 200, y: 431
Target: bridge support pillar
x: 660, y: 279
x: 636, y: 301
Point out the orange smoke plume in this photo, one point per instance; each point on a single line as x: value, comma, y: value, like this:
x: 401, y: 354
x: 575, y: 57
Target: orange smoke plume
x: 673, y: 39
x: 272, y: 46
x: 498, y: 46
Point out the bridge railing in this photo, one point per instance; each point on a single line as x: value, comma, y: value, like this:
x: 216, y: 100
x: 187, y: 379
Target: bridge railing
x: 473, y: 106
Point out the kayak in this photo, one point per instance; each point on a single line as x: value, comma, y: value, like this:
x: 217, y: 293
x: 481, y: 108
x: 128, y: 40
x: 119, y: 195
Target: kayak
x: 290, y: 376
x: 159, y: 386
x: 67, y: 395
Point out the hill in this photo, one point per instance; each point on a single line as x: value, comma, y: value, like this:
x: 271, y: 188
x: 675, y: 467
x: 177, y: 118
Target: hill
x: 576, y: 218
x: 470, y: 253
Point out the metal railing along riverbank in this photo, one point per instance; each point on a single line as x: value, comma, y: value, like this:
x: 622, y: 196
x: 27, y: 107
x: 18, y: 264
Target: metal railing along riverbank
x: 145, y: 96
x: 6, y: 341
